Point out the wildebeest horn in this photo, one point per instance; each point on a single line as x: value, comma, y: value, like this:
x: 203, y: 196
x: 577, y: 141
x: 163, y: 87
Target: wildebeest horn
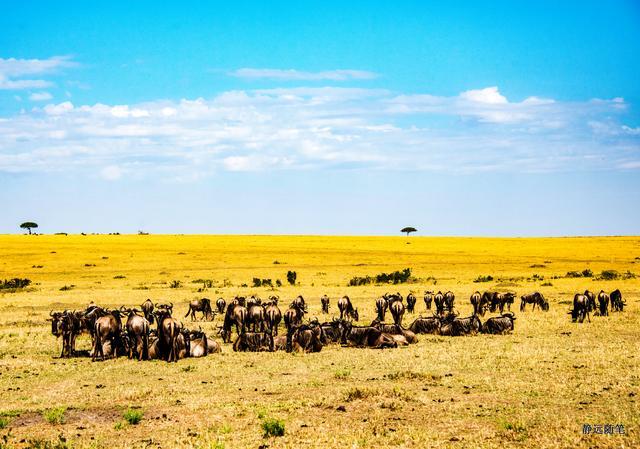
x: 51, y: 313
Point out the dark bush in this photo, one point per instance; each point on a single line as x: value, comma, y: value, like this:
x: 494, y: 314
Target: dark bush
x: 175, y: 284
x: 609, y: 275
x: 291, y: 277
x: 395, y: 277
x: 15, y: 283
x: 481, y: 278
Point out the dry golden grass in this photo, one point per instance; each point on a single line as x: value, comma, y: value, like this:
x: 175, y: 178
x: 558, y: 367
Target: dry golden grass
x: 534, y: 388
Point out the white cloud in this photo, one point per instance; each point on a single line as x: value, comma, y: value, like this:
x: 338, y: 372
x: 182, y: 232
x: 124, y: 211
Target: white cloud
x: 111, y: 172
x: 489, y: 95
x: 298, y: 75
x: 12, y: 70
x: 58, y: 109
x: 40, y: 96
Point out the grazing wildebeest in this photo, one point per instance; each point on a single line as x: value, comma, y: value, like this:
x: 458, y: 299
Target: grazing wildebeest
x: 394, y: 329
x: 366, y: 337
x: 381, y: 307
x: 536, y: 299
x: 617, y: 303
x: 324, y: 301
x: 603, y: 302
x: 500, y: 324
x: 305, y: 337
x: 346, y: 308
x: 273, y: 316
x: 428, y: 298
x: 411, y: 302
x: 255, y: 317
x: 221, y: 304
x: 449, y: 299
x: 479, y: 307
x: 235, y: 314
x: 396, y: 307
x: 426, y: 325
x: 499, y: 300
x: 466, y: 326
x: 168, y: 332
x: 293, y: 315
x: 591, y: 300
x: 438, y: 299
x: 137, y: 328
x: 200, y: 305
x: 254, y: 342
x: 580, y: 308
x: 199, y: 344
x: 147, y: 309
x: 107, y: 328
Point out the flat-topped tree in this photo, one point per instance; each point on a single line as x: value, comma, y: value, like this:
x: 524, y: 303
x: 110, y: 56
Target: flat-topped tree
x: 408, y: 230
x: 29, y: 225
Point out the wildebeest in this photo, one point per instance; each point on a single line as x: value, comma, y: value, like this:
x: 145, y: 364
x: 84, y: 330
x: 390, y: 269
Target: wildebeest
x: 199, y: 344
x: 299, y: 301
x: 479, y: 306
x: 305, y: 337
x: 236, y: 314
x: 381, y: 307
x: 394, y: 329
x: 438, y: 299
x: 324, y: 302
x: 331, y: 331
x: 411, y: 302
x: 147, y: 309
x: 500, y: 324
x: 255, y: 317
x: 168, y: 332
x: 617, y: 303
x: 449, y: 299
x: 426, y: 325
x: 466, y: 326
x: 107, y: 327
x: 396, y: 307
x: 536, y: 299
x: 273, y: 316
x: 591, y: 300
x: 137, y: 328
x: 603, y: 302
x: 346, y: 308
x: 253, y: 300
x: 200, y: 305
x: 221, y: 304
x: 366, y: 337
x: 580, y: 308
x: 428, y: 297
x: 293, y: 315
x: 254, y: 342
x: 500, y: 300
x: 62, y: 326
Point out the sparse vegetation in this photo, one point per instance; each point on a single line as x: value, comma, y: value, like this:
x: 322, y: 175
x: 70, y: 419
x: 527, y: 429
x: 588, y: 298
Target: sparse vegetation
x: 272, y: 427
x: 133, y: 416
x: 55, y: 415
x: 481, y: 278
x: 65, y: 288
x: 14, y: 284
x: 175, y: 284
x: 395, y: 277
x: 292, y: 276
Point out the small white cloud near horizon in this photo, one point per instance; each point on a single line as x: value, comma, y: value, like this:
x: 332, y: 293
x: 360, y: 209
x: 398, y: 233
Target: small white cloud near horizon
x: 40, y: 96
x: 488, y: 95
x: 299, y: 75
x: 111, y: 173
x: 13, y: 70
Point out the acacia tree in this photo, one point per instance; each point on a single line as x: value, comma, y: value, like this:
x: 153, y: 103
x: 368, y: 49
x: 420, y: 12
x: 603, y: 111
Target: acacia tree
x: 29, y: 225
x: 408, y: 230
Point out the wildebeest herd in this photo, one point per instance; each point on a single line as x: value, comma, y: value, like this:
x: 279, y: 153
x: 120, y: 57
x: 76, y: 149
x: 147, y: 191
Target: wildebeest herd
x: 129, y: 331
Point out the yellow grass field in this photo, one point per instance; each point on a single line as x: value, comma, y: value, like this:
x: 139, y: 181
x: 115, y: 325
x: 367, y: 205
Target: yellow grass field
x: 534, y: 388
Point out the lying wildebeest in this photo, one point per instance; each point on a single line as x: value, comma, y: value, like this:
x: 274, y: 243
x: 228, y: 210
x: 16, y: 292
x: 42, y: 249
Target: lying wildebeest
x: 394, y: 329
x: 236, y: 314
x: 603, y: 302
x: 449, y: 299
x: 479, y: 306
x: 466, y: 326
x: 426, y: 325
x: 273, y: 316
x: 200, y: 305
x: 293, y: 315
x: 280, y: 343
x: 199, y: 344
x: 324, y: 301
x: 536, y: 299
x: 438, y: 299
x: 183, y: 344
x: 428, y: 298
x: 154, y: 345
x: 221, y: 304
x: 255, y: 317
x: 580, y: 308
x: 137, y: 328
x: 366, y: 337
x: 168, y: 333
x: 500, y: 324
x: 107, y: 328
x: 108, y: 350
x: 411, y: 302
x: 617, y: 303
x: 381, y: 307
x: 331, y: 331
x: 346, y: 309
x: 147, y: 309
x: 591, y: 300
x: 254, y: 342
x: 396, y: 307
x: 305, y: 337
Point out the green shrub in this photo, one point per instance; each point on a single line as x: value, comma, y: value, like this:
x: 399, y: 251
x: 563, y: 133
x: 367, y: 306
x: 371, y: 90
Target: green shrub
x: 4, y: 422
x: 272, y: 427
x: 133, y: 416
x: 175, y: 284
x: 14, y: 284
x: 395, y: 277
x: 342, y: 374
x: 55, y: 415
x: 291, y: 277
x: 609, y: 275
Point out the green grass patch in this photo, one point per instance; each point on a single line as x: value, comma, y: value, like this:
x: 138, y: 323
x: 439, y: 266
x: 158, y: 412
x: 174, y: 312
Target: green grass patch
x: 272, y: 427
x: 55, y: 415
x: 133, y: 416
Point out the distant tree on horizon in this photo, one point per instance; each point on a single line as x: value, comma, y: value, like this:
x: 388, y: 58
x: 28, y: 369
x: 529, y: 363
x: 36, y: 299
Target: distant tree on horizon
x: 29, y: 225
x: 408, y: 230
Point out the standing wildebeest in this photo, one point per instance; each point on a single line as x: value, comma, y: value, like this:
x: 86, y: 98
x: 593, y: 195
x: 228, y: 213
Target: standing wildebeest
x: 479, y: 306
x: 221, y: 304
x: 255, y: 317
x: 235, y: 314
x: 536, y: 299
x: 254, y: 342
x: 293, y: 315
x: 591, y: 300
x: 273, y: 316
x: 500, y: 324
x: 324, y: 301
x: 428, y: 297
x: 366, y: 337
x: 499, y: 300
x: 62, y: 326
x: 137, y: 328
x: 411, y: 302
x: 449, y: 299
x: 200, y: 305
x: 603, y: 302
x: 346, y: 308
x: 617, y: 303
x: 168, y: 333
x: 147, y: 309
x: 396, y: 307
x: 580, y: 308
x: 107, y: 328
x: 381, y: 307
x: 439, y: 301
x: 299, y: 301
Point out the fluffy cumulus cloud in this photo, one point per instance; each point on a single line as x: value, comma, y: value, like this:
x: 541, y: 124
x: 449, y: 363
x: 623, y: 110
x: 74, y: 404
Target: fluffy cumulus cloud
x: 317, y: 128
x: 18, y: 74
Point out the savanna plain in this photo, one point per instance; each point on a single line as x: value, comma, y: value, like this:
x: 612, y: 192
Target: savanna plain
x: 533, y: 388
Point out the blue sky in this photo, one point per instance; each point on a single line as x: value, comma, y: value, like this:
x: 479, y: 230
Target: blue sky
x: 470, y: 118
